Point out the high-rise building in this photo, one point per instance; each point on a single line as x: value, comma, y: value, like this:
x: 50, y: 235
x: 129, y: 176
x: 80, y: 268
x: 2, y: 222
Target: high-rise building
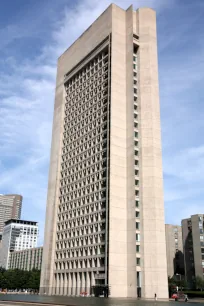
x: 193, y: 246
x: 105, y: 211
x: 27, y: 259
x: 174, y: 250
x: 10, y: 208
x: 17, y: 235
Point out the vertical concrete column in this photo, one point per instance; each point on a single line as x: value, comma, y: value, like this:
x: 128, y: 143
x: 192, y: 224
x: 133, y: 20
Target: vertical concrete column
x: 88, y: 283
x: 60, y: 279
x: 65, y: 284
x: 62, y: 284
x: 52, y: 290
x: 69, y: 283
x: 130, y: 202
x: 74, y: 284
x: 78, y: 284
x: 57, y: 285
x: 154, y: 265
x: 86, y: 277
x: 80, y: 274
x: 92, y: 279
x: 117, y: 211
x: 83, y: 285
x: 47, y: 268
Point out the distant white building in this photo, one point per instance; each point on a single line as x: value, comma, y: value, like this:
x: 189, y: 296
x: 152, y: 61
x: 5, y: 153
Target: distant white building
x: 17, y: 235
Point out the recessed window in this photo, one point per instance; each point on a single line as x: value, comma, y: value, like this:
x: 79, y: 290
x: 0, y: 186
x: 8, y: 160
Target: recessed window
x: 138, y: 261
x: 135, y: 116
x: 137, y: 248
x: 135, y: 74
x: 136, y: 143
x: 137, y: 203
x: 137, y: 225
x: 137, y: 214
x: 135, y: 90
x: 136, y: 134
x: 135, y: 98
x: 134, y: 58
x: 136, y: 182
x: 135, y: 106
x: 136, y: 162
x: 135, y: 47
x: 135, y: 82
x: 136, y: 153
x: 137, y: 192
x: 135, y: 124
x: 136, y: 172
x: 138, y: 237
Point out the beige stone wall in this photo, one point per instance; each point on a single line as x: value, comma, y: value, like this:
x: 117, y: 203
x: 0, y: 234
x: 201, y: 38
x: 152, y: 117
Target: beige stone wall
x: 154, y: 270
x: 130, y: 202
x: 122, y: 275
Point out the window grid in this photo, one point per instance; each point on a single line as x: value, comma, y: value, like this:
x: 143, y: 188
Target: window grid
x: 136, y: 146
x: 80, y: 238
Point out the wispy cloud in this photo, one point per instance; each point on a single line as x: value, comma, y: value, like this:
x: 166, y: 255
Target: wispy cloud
x: 27, y: 84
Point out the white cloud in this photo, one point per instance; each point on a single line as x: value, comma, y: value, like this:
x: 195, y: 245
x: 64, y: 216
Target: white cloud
x: 26, y: 109
x: 27, y: 88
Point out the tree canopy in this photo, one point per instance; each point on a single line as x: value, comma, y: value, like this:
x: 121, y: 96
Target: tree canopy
x: 19, y: 279
x: 173, y: 281
x: 199, y: 282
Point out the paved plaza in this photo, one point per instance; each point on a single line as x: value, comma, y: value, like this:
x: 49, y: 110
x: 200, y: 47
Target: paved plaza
x: 31, y: 300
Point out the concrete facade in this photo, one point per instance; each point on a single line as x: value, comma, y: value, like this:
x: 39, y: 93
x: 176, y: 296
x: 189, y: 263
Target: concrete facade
x: 10, y: 208
x: 26, y: 259
x: 105, y: 211
x: 193, y: 245
x: 174, y: 250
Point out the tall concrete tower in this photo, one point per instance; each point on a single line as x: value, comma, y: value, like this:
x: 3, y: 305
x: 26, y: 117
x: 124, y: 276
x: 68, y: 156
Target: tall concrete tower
x: 10, y: 208
x: 105, y: 210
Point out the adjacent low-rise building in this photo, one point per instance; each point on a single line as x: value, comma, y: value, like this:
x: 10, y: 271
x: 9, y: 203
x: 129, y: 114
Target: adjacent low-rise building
x: 193, y: 245
x: 174, y: 250
x: 26, y: 259
x: 17, y: 235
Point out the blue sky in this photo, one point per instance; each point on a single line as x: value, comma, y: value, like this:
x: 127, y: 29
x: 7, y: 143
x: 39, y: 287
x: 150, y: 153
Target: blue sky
x: 34, y: 33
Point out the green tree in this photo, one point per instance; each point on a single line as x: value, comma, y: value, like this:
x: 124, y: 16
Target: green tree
x: 19, y: 279
x: 34, y: 279
x: 182, y: 283
x: 199, y: 282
